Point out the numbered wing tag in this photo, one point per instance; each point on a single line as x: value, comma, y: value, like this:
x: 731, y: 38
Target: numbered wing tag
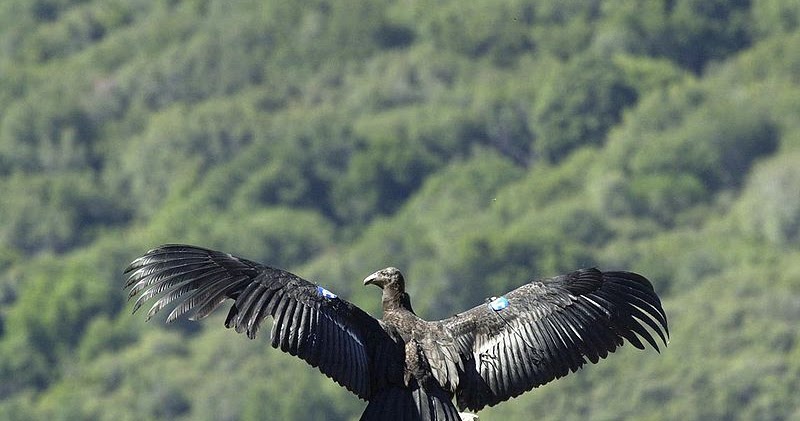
x: 325, y: 293
x: 498, y: 303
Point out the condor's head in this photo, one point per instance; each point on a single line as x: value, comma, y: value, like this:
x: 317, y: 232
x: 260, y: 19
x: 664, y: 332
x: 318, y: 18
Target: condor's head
x: 389, y: 278
x: 391, y: 281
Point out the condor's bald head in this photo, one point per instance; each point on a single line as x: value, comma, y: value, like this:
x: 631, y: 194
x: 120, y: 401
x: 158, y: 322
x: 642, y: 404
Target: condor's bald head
x: 389, y: 277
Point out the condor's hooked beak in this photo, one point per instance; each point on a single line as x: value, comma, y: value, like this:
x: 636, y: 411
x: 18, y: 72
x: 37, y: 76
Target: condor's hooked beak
x: 371, y: 278
x: 384, y: 277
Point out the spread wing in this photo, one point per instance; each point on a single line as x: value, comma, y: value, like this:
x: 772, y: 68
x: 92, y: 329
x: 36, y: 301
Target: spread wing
x: 308, y: 321
x: 544, y: 329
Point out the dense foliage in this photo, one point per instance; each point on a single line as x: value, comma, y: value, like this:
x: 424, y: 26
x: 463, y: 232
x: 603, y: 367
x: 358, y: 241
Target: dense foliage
x: 472, y: 144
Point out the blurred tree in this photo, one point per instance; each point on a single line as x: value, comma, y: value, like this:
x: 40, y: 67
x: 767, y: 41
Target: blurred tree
x: 689, y: 32
x: 681, y: 147
x: 49, y: 133
x: 775, y: 16
x: 42, y: 212
x: 398, y: 150
x: 564, y: 28
x: 178, y: 141
x: 770, y: 207
x: 703, y: 30
x: 578, y: 106
x: 52, y: 317
x: 497, y: 30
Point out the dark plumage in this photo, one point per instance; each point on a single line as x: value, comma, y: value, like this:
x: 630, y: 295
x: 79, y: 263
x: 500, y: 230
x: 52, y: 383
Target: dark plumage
x: 406, y: 367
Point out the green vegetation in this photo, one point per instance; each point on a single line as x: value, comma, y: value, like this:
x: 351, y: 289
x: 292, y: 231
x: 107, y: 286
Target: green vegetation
x: 474, y: 145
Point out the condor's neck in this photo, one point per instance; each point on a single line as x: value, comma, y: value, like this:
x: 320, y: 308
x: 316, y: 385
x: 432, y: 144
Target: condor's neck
x: 395, y: 299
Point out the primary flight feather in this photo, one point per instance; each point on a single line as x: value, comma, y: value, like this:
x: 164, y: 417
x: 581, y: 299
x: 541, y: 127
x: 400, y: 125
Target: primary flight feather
x: 405, y: 367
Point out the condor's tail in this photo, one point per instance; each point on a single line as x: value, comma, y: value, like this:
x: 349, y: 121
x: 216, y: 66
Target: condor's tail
x: 413, y: 403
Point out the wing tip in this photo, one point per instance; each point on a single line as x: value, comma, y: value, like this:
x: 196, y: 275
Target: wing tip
x: 654, y: 307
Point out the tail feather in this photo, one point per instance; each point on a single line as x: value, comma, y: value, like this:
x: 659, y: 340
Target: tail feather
x: 413, y: 403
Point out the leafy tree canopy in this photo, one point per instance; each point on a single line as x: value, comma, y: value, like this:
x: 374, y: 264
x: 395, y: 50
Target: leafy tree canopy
x: 474, y: 145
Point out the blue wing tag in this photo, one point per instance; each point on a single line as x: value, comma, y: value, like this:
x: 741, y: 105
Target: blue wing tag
x: 325, y: 293
x: 499, y: 303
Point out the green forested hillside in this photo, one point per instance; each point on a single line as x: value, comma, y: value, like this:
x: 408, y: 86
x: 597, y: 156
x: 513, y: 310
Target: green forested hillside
x: 474, y: 145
